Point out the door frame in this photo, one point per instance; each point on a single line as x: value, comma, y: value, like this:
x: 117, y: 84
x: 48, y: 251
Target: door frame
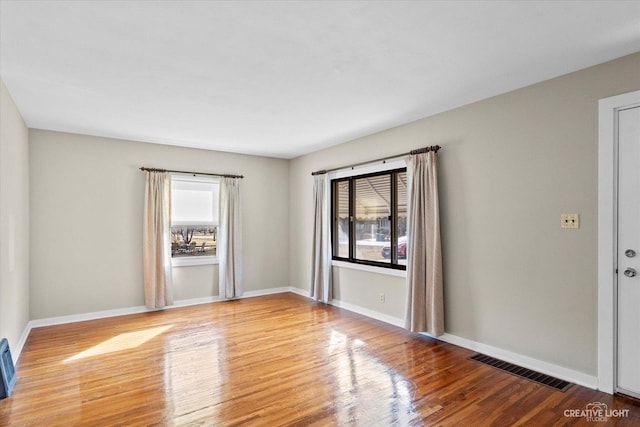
x: 607, y: 232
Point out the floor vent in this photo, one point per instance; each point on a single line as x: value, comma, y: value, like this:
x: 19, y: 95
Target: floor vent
x: 7, y: 370
x: 547, y: 380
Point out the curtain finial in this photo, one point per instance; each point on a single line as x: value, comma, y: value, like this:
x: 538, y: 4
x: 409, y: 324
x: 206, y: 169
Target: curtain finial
x: 433, y: 148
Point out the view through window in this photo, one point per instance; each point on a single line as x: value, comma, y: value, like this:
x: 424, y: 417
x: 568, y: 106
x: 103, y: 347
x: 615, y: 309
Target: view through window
x: 194, y: 216
x: 370, y: 218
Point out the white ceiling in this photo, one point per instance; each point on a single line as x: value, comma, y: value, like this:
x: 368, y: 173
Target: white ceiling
x: 285, y: 78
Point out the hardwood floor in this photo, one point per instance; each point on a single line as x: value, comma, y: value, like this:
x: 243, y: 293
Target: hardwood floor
x: 269, y: 361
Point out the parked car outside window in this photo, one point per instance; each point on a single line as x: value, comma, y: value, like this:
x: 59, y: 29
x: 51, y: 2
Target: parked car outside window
x: 402, y: 249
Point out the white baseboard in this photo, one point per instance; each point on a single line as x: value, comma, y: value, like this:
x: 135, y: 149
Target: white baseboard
x: 60, y: 320
x: 298, y: 291
x: 270, y: 291
x: 561, y: 372
x: 15, y: 353
x: 557, y: 371
x: 395, y: 321
x: 554, y: 370
x: 82, y: 317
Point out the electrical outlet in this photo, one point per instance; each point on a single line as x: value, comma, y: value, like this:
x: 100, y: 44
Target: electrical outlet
x: 570, y: 221
x: 382, y: 297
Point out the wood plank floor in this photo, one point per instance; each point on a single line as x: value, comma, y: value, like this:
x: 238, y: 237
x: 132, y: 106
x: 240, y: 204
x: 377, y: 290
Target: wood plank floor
x: 269, y: 361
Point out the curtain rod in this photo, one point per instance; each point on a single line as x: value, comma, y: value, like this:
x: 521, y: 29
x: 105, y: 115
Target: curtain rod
x: 191, y: 173
x: 433, y: 148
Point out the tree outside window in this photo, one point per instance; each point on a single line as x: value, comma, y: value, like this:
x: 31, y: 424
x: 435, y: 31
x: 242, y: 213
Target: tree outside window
x: 194, y: 216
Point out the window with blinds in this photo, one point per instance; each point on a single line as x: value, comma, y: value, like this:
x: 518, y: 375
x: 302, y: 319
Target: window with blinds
x: 369, y: 219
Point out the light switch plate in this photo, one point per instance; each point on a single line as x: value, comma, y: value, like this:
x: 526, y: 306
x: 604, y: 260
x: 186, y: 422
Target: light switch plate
x: 570, y: 221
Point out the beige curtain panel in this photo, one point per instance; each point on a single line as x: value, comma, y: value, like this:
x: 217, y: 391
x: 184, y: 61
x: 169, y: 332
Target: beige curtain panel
x: 425, y: 307
x: 156, y: 241
x: 321, y: 247
x: 230, y: 240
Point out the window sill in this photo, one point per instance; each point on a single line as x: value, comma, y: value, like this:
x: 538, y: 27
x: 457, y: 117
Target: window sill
x: 369, y: 268
x: 196, y: 260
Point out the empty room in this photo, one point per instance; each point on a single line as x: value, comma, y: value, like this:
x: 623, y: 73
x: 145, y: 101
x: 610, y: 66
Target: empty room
x: 278, y: 213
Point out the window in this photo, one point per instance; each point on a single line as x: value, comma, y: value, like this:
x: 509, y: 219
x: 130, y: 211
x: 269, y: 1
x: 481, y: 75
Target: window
x: 194, y: 216
x: 369, y: 217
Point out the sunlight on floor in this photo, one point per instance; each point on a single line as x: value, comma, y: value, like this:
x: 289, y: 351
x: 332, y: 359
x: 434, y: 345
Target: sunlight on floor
x: 372, y: 385
x: 120, y: 342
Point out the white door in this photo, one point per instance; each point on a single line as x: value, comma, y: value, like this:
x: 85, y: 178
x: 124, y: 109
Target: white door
x: 628, y: 295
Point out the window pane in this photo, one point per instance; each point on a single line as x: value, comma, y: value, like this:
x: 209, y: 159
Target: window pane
x: 341, y: 213
x: 194, y: 203
x: 373, y: 217
x: 194, y: 241
x: 401, y: 226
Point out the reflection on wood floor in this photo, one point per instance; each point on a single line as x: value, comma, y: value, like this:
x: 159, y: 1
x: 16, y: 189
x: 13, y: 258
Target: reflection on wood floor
x: 269, y: 361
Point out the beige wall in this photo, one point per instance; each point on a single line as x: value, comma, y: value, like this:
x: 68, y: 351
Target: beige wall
x: 86, y: 224
x: 510, y: 165
x: 14, y: 221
